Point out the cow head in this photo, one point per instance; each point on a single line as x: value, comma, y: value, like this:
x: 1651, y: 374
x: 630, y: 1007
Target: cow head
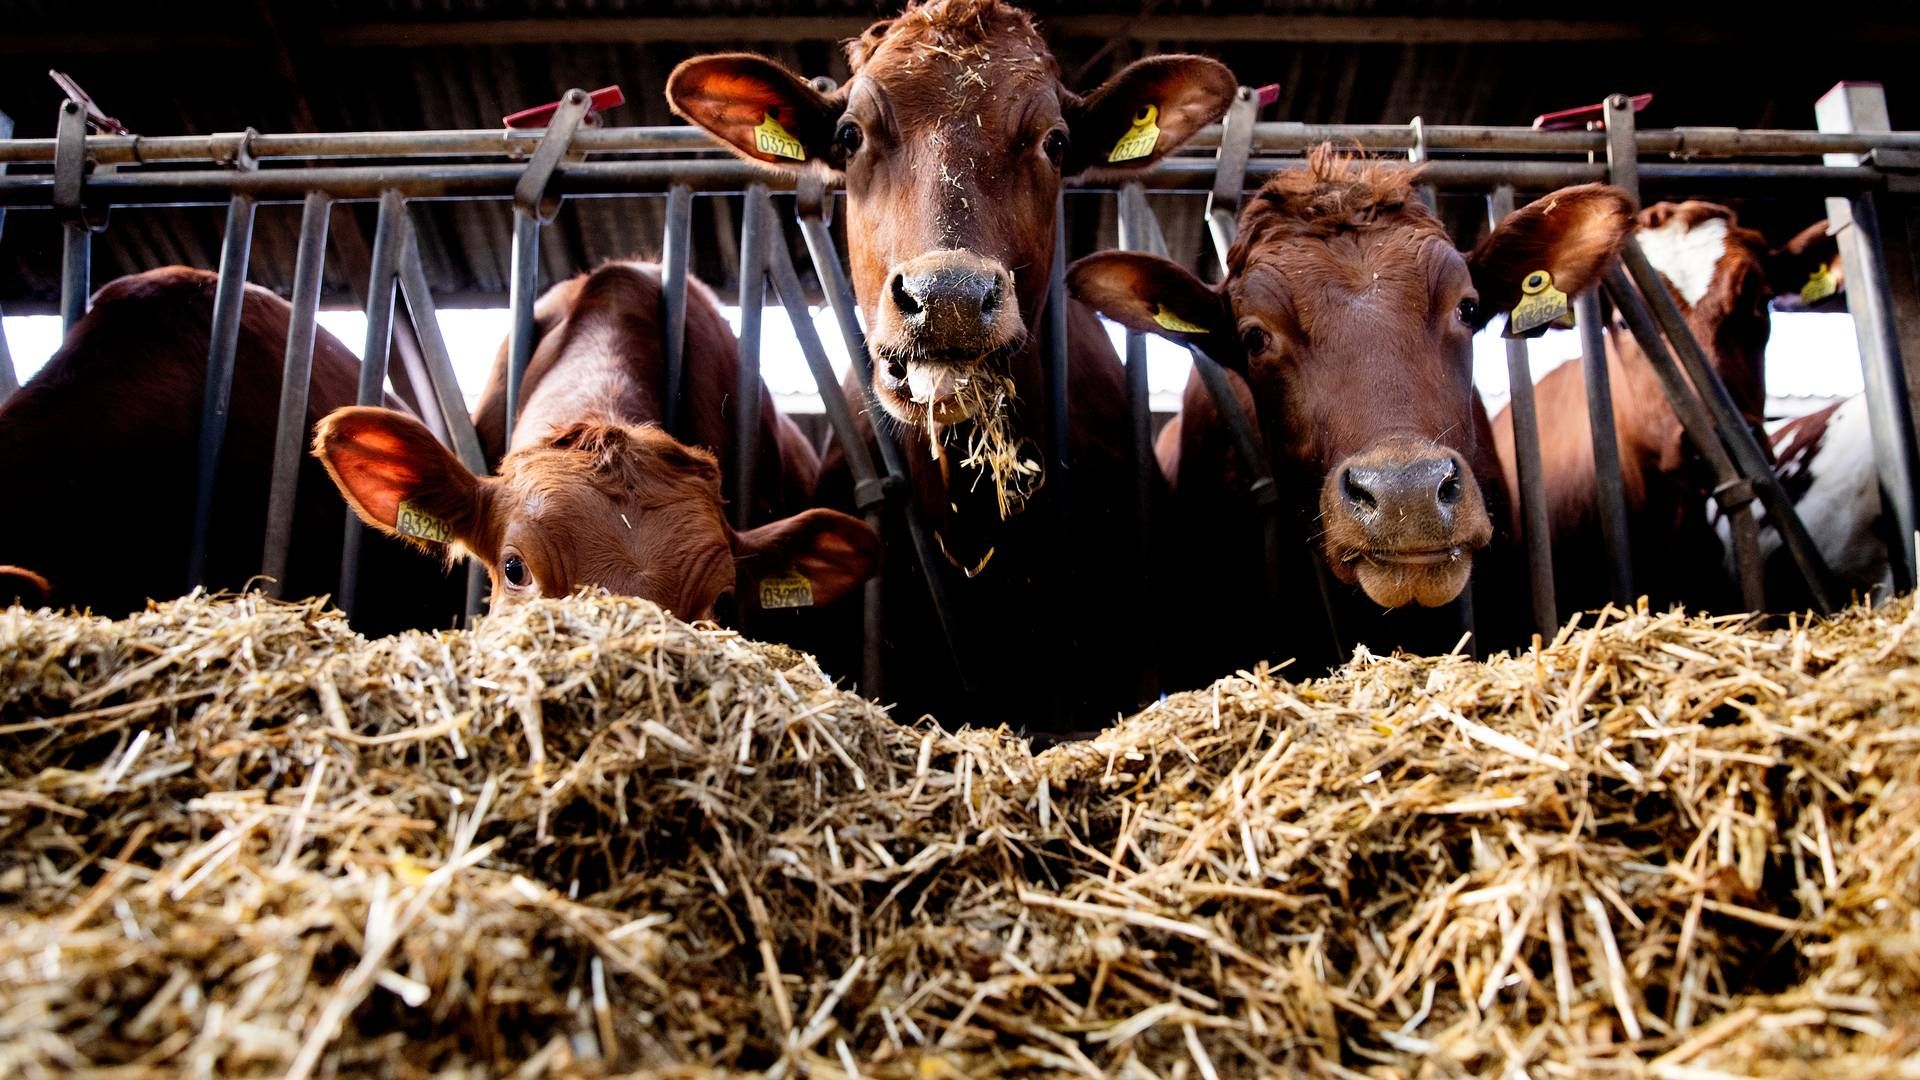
x: 1351, y: 315
x: 1725, y: 277
x: 952, y: 138
x: 625, y: 508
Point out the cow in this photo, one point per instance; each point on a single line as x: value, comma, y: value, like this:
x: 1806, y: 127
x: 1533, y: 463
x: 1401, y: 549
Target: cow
x: 1346, y: 319
x: 591, y: 490
x: 952, y: 139
x: 1723, y: 276
x: 100, y: 452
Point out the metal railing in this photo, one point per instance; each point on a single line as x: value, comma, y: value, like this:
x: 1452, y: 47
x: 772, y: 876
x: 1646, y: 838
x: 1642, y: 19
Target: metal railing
x: 82, y: 176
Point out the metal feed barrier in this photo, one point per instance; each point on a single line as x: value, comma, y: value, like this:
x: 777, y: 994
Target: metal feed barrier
x: 1867, y: 173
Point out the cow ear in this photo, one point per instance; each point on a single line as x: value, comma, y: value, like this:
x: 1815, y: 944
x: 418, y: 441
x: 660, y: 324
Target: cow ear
x: 1805, y: 274
x: 399, y: 479
x: 19, y: 585
x: 1157, y: 296
x: 831, y: 551
x: 1146, y: 112
x: 759, y: 108
x: 1574, y: 234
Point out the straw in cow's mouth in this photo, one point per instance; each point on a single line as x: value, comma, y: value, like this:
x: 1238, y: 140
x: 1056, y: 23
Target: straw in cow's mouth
x: 987, y: 399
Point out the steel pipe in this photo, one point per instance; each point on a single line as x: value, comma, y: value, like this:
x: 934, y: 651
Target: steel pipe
x: 676, y: 252
x: 228, y: 298
x: 1609, y: 487
x: 754, y: 238
x: 523, y: 287
x: 1536, y: 528
x: 388, y: 237
x: 296, y: 376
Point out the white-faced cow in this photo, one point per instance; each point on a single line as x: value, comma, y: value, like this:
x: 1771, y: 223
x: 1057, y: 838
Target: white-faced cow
x: 952, y: 139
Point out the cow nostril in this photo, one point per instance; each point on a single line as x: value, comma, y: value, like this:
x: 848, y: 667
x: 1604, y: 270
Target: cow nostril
x: 903, y: 299
x: 990, y: 303
x: 1356, y: 491
x: 1450, y: 485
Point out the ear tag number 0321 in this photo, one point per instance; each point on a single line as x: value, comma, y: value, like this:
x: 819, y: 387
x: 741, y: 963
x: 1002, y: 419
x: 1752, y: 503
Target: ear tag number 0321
x: 772, y: 139
x: 1541, y: 305
x: 1141, y: 138
x: 1819, y: 286
x: 786, y: 591
x: 410, y: 520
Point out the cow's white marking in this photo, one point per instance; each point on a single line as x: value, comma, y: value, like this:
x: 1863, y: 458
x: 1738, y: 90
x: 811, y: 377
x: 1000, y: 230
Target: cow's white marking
x: 1688, y: 257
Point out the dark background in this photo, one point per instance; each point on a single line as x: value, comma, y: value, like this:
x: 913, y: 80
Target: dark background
x: 345, y: 65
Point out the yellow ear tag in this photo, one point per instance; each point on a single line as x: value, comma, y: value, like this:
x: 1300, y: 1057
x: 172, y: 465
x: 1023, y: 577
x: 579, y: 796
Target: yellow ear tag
x: 412, y: 521
x: 786, y: 591
x: 1141, y: 138
x: 1819, y: 286
x: 771, y: 138
x: 1541, y: 305
x: 1174, y: 322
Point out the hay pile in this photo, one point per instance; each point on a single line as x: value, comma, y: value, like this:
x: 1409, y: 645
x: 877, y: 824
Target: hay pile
x: 237, y: 839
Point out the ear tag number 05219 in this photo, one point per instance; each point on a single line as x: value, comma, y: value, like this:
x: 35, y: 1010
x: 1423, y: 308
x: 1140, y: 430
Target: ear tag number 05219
x: 1541, y: 305
x: 786, y: 591
x: 770, y: 138
x: 410, y: 520
x: 1141, y: 138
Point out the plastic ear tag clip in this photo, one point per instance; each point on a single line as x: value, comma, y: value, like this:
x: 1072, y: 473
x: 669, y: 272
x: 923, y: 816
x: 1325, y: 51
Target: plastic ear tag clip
x: 770, y: 138
x: 1141, y: 138
x: 1541, y: 305
x: 1168, y: 320
x: 410, y: 520
x: 1820, y: 285
x: 786, y: 591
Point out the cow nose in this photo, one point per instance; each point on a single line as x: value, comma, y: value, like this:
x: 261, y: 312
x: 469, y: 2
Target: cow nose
x: 952, y: 306
x: 1425, y: 488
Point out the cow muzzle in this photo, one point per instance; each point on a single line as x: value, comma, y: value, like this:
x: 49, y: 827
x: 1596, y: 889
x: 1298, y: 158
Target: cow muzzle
x: 1403, y: 520
x: 941, y: 315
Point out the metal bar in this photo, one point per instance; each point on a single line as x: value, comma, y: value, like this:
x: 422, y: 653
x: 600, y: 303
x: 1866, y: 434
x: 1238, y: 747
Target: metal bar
x: 840, y: 297
x: 869, y: 493
x: 1269, y: 137
x: 1134, y: 214
x: 1623, y: 158
x: 9, y: 376
x: 69, y: 178
x: 1733, y: 492
x: 754, y: 239
x: 675, y: 255
x: 296, y: 374
x: 1755, y: 464
x: 387, y: 240
x: 1536, y: 528
x: 1230, y: 169
x: 1872, y: 298
x: 710, y: 176
x: 1058, y: 392
x: 523, y: 287
x: 228, y: 298
x: 1609, y: 489
x: 1418, y: 154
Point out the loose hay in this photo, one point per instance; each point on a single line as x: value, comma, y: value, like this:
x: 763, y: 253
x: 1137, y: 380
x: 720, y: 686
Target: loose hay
x: 236, y: 838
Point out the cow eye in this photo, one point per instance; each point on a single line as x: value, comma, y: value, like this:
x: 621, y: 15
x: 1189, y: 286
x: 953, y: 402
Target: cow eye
x: 1055, y: 146
x: 517, y: 574
x: 1253, y: 340
x: 848, y: 138
x: 1468, y: 310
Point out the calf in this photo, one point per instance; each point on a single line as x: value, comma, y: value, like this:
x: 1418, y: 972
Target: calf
x: 99, y: 452
x: 952, y: 138
x: 1722, y: 276
x: 1348, y: 317
x: 591, y: 491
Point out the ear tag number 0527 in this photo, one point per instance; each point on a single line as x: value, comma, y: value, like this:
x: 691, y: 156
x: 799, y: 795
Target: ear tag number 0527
x: 1541, y: 305
x: 786, y: 591
x: 1141, y: 138
x: 410, y: 520
x: 770, y: 138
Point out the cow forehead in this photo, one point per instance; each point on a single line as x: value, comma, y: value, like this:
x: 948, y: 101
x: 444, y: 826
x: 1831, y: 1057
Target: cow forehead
x: 1688, y: 253
x: 1377, y: 270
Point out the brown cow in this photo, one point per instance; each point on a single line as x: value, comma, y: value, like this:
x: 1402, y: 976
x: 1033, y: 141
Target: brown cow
x: 1722, y: 276
x: 1350, y: 316
x: 952, y: 139
x: 100, y: 451
x: 592, y: 491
